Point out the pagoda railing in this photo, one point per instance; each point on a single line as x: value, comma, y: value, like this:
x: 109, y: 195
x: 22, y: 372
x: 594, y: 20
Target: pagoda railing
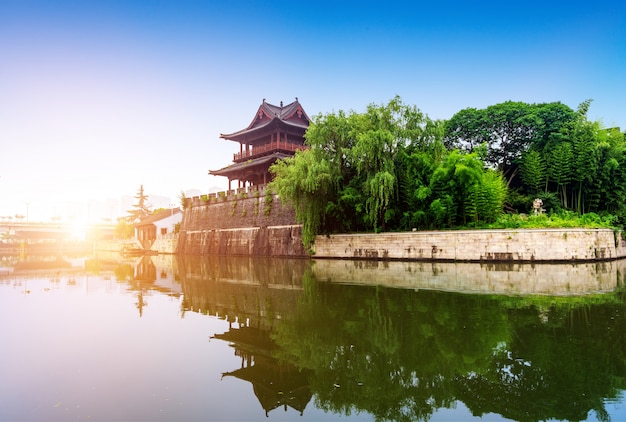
x: 266, y: 148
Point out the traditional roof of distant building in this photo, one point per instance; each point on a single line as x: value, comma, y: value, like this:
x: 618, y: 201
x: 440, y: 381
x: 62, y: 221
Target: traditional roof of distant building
x: 160, y: 215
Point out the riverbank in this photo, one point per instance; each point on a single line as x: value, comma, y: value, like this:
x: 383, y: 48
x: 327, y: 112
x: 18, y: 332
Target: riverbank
x: 254, y: 222
x: 529, y: 245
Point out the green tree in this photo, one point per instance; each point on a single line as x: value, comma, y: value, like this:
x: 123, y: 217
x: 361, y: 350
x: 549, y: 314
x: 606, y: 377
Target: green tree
x: 415, y: 164
x: 486, y: 198
x: 307, y: 181
x: 582, y: 134
x: 463, y: 191
x: 534, y: 170
x: 508, y: 129
x: 348, y: 179
x: 560, y: 168
x: 607, y: 188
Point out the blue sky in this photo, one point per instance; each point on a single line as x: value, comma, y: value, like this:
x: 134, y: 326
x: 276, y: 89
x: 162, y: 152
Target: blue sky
x: 99, y: 97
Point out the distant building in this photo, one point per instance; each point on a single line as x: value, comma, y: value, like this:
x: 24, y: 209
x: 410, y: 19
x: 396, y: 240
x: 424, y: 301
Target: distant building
x: 154, y: 226
x: 276, y: 132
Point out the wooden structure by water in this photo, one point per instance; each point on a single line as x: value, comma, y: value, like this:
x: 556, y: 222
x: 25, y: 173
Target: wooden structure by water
x: 276, y: 132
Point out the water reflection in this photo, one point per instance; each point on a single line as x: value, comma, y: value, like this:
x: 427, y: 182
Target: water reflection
x: 275, y: 383
x: 399, y: 341
x: 401, y: 355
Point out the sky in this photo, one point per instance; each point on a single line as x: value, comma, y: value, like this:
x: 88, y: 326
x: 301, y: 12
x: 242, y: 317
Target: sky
x: 98, y: 98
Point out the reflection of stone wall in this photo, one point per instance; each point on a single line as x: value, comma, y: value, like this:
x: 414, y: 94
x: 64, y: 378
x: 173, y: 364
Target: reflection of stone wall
x: 498, y: 278
x: 242, y: 288
x: 165, y: 245
x: 477, y: 245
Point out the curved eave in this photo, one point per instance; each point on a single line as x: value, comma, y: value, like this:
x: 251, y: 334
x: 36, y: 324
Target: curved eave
x: 237, y: 168
x: 258, y: 131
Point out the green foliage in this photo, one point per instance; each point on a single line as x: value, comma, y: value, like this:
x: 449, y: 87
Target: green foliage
x: 560, y: 167
x: 392, y: 168
x: 563, y: 219
x: 464, y: 192
x: 348, y: 179
x: 306, y: 182
x: 508, y: 129
x: 534, y: 170
x: 124, y: 229
x: 269, y: 197
x: 401, y: 355
x: 584, y: 166
x: 486, y: 198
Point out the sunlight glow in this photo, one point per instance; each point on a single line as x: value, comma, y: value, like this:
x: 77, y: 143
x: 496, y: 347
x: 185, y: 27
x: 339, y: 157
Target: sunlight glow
x: 78, y: 230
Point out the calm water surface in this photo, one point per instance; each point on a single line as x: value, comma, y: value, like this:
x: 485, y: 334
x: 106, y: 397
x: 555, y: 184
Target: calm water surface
x: 187, y: 339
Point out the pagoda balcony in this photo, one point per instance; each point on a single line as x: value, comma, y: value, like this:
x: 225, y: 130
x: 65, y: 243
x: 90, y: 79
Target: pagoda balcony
x: 266, y: 149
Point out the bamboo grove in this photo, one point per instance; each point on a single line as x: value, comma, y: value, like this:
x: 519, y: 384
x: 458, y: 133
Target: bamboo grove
x: 392, y: 168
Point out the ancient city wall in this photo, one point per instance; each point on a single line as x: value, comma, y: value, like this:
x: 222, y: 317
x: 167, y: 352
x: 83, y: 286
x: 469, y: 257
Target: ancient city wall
x: 254, y: 222
x: 245, y: 222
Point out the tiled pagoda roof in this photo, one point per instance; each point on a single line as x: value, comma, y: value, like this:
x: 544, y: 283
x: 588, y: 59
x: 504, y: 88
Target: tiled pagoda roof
x: 290, y: 116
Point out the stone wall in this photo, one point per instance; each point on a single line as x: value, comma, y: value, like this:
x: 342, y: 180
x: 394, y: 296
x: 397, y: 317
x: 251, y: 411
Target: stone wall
x: 245, y: 241
x: 251, y: 222
x: 244, y: 208
x: 477, y: 245
x: 245, y: 222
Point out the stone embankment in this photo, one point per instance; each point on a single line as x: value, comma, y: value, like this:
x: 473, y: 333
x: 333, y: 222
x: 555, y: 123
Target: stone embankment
x: 254, y: 222
x: 533, y: 245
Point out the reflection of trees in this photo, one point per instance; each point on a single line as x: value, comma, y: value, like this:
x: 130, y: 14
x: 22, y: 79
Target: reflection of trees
x: 401, y: 355
x: 564, y: 367
x: 139, y: 276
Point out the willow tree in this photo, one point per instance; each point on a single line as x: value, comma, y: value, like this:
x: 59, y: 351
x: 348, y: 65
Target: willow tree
x: 306, y: 181
x: 355, y: 153
x: 373, y: 155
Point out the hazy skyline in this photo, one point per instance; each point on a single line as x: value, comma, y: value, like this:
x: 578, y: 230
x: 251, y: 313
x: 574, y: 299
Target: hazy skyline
x: 100, y: 97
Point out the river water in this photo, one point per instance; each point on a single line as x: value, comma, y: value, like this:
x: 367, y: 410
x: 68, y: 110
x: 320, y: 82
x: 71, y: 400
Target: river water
x: 167, y: 338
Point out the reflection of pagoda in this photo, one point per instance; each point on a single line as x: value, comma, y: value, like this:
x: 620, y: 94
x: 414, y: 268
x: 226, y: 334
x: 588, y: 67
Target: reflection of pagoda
x: 274, y: 384
x: 276, y: 132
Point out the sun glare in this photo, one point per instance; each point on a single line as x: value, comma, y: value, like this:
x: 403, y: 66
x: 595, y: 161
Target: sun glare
x: 78, y: 230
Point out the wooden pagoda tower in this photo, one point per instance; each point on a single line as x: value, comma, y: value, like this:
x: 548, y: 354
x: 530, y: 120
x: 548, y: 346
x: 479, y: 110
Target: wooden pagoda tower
x: 276, y: 132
